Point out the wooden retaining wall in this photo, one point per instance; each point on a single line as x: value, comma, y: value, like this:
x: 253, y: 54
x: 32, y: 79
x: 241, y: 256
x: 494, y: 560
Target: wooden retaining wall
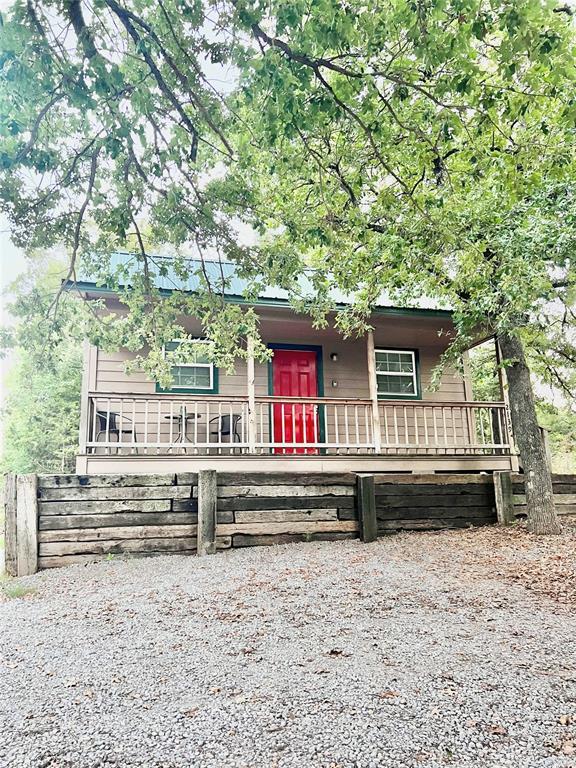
x: 564, y: 497
x: 278, y: 508
x: 83, y: 517
x: 54, y: 520
x: 433, y: 502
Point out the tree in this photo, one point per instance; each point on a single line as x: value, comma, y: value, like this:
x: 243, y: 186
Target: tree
x: 403, y: 147
x: 41, y: 413
x: 41, y: 410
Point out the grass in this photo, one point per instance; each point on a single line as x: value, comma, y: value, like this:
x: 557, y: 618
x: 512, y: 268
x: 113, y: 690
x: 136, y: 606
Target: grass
x: 12, y: 590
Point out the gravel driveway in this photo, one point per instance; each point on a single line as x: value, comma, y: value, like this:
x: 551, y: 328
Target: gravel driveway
x: 406, y: 652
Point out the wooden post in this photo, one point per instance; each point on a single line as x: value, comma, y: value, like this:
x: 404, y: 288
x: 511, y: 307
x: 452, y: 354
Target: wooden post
x: 84, y: 401
x: 373, y: 385
x: 11, y: 553
x: 469, y: 397
x: 507, y: 421
x: 27, y: 524
x: 250, y: 382
x: 504, y: 497
x: 367, y: 508
x: 207, y: 490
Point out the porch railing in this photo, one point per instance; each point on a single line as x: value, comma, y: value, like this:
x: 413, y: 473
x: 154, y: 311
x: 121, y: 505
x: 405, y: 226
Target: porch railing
x: 196, y: 424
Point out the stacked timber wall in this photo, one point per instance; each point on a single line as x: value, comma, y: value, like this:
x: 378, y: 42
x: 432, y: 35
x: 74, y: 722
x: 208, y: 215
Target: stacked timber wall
x: 279, y: 508
x: 433, y: 502
x: 54, y: 520
x: 83, y: 517
x: 564, y: 497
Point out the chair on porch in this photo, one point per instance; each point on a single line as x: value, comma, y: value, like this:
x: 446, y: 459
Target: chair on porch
x: 108, y: 425
x: 227, y: 427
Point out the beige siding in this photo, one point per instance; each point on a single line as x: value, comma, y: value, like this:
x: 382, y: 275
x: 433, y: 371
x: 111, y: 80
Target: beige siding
x: 108, y: 372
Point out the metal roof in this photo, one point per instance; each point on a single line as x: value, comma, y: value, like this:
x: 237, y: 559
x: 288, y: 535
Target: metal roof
x: 189, y: 274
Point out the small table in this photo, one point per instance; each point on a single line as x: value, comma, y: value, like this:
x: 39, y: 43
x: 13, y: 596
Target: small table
x: 182, y: 419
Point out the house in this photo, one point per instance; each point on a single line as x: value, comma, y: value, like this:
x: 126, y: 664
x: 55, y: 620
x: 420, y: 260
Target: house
x: 323, y: 402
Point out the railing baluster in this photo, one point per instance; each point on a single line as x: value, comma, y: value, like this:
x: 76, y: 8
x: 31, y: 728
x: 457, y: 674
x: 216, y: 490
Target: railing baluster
x: 357, y: 428
x: 108, y: 449
x: 396, y: 436
x: 158, y: 416
x: 454, y: 431
x: 171, y: 422
x: 435, y: 430
x: 444, y: 429
x: 480, y: 420
x: 346, y: 429
x: 133, y: 425
x: 146, y: 426
x: 261, y: 406
x: 406, y: 434
x: 416, y: 431
x: 94, y: 421
x: 426, y: 435
x: 336, y: 429
x: 219, y: 422
x: 120, y: 425
x: 283, y: 427
x: 386, y: 435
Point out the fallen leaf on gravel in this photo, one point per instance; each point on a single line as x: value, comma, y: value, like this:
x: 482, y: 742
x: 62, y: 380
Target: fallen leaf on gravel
x: 190, y: 712
x: 388, y: 694
x: 499, y: 730
x: 566, y: 719
x: 568, y: 747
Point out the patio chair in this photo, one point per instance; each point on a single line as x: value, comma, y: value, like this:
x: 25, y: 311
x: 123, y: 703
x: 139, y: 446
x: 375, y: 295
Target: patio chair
x: 108, y: 425
x: 227, y: 427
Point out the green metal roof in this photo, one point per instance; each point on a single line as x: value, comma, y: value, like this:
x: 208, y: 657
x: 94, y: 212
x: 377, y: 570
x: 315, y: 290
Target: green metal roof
x: 169, y: 276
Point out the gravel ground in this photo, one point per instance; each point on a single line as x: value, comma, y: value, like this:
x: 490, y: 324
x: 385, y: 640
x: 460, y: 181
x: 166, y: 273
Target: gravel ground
x: 407, y: 652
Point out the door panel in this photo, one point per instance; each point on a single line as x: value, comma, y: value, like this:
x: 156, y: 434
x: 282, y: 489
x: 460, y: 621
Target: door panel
x: 295, y: 374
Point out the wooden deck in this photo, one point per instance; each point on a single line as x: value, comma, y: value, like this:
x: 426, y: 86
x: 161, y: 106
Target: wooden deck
x: 157, y: 433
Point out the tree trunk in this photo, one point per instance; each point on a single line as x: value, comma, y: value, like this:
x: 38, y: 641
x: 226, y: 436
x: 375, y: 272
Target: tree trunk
x: 538, y: 480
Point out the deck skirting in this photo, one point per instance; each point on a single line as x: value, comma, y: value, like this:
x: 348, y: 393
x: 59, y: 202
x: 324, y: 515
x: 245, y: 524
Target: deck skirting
x: 142, y: 464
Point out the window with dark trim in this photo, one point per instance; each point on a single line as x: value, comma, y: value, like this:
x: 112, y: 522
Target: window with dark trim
x: 396, y: 373
x: 198, y: 374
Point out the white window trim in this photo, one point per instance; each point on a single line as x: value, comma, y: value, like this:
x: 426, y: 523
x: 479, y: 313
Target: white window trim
x: 210, y: 366
x: 404, y: 374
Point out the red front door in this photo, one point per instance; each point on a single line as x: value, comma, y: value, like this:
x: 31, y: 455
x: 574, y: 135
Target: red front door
x: 294, y: 374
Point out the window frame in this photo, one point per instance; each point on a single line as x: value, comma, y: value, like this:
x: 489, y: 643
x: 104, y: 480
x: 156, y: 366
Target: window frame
x: 175, y: 389
x: 417, y: 394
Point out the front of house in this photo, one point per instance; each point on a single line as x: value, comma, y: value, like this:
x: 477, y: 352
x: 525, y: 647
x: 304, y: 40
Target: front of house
x: 323, y: 403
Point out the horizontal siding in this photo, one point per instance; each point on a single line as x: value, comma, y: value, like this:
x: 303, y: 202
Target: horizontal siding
x: 349, y: 371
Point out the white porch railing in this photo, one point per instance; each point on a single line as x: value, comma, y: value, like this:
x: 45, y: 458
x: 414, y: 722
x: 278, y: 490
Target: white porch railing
x: 196, y: 424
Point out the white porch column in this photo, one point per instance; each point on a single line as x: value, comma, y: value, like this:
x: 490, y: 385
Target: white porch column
x: 504, y: 394
x: 84, y: 403
x: 250, y: 377
x: 376, y: 435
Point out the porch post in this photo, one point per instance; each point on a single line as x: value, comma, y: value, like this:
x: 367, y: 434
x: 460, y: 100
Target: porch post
x: 515, y: 465
x: 372, y: 383
x: 251, y: 396
x: 84, y: 403
x: 469, y: 397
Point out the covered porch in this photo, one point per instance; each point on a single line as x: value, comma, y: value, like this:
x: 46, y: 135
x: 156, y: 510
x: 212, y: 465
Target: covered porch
x: 157, y: 432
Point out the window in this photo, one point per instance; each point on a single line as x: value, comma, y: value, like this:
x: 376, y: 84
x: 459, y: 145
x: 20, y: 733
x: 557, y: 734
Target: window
x: 198, y: 374
x: 396, y: 373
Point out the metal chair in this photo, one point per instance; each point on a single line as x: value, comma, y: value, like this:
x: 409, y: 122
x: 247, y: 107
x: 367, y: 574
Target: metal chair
x: 108, y: 425
x: 227, y: 427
